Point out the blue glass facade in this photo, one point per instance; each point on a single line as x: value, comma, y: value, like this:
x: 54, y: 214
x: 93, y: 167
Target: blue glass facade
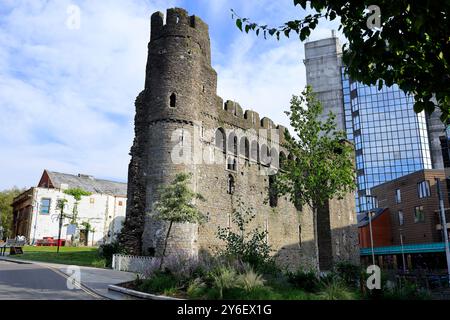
x: 390, y: 139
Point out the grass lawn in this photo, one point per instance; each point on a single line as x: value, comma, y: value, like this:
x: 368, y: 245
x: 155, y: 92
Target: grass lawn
x: 82, y: 256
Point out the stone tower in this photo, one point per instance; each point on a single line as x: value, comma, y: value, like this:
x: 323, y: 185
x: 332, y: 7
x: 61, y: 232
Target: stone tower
x: 230, y: 153
x: 178, y: 75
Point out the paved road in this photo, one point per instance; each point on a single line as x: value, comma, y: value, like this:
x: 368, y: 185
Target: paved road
x: 35, y: 282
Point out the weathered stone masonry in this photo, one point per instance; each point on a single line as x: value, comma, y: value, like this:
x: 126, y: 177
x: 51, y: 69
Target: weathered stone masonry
x: 180, y: 100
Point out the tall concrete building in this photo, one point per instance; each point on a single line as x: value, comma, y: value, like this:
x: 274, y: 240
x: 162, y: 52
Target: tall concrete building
x: 181, y: 125
x: 390, y: 139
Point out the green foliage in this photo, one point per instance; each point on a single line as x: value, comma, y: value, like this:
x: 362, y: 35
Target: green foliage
x: 176, y: 205
x: 335, y: 289
x: 250, y: 280
x: 176, y: 202
x: 246, y: 246
x: 106, y: 251
x: 405, y: 290
x: 159, y: 283
x: 322, y: 167
x: 77, y: 194
x: 6, y: 211
x: 224, y: 278
x: 196, y: 288
x: 305, y: 280
x: 410, y: 47
x: 348, y: 273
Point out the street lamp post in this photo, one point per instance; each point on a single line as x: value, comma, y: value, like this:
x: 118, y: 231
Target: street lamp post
x: 371, y: 232
x: 444, y: 225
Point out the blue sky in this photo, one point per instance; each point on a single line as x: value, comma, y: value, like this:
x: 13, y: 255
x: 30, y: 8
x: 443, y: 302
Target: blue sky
x: 67, y: 95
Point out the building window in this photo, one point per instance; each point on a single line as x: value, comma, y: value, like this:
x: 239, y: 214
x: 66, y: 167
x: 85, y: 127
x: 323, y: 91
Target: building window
x: 245, y: 148
x: 45, y: 206
x: 173, y: 100
x: 120, y: 203
x: 300, y: 236
x: 220, y: 139
x: 273, y: 194
x: 419, y: 215
x: 401, y: 218
x: 423, y: 188
x: 255, y: 151
x: 232, y: 164
x: 230, y: 188
x: 398, y: 196
x: 233, y: 143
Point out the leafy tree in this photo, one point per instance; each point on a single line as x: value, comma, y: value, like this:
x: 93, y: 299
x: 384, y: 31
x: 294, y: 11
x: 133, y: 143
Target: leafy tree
x: 77, y: 194
x: 176, y: 205
x: 409, y: 47
x: 322, y: 165
x: 245, y: 245
x: 6, y: 211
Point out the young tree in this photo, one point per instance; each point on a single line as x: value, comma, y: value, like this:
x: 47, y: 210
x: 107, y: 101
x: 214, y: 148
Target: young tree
x: 322, y: 165
x: 176, y: 205
x: 77, y: 194
x: 60, y: 205
x: 402, y: 42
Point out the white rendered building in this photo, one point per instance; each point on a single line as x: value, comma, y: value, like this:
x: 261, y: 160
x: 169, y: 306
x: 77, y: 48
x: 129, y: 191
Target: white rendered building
x: 37, y: 217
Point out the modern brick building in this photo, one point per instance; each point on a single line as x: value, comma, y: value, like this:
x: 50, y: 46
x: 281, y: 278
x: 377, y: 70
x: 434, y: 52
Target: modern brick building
x: 411, y: 203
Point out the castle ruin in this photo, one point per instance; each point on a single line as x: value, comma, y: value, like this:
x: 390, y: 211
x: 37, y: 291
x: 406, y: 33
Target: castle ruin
x: 181, y: 125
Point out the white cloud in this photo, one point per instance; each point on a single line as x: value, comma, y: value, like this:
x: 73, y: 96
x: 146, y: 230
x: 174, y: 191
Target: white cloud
x: 67, y: 96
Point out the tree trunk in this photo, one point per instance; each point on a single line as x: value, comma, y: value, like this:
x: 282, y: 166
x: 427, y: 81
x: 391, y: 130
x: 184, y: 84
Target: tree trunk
x: 316, y: 236
x: 165, y: 245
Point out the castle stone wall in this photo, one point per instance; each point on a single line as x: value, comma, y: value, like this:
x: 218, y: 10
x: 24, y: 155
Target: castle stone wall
x: 177, y: 118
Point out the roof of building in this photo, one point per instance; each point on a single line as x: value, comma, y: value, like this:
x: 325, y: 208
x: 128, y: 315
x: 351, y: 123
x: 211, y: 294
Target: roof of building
x: 363, y: 217
x: 85, y: 182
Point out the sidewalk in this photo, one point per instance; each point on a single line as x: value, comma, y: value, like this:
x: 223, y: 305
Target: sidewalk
x: 94, y: 279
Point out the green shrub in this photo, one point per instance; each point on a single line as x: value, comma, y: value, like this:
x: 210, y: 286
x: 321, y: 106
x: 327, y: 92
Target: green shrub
x: 224, y: 278
x: 244, y: 245
x: 348, y: 273
x: 106, y: 251
x: 196, y: 289
x: 250, y: 280
x: 159, y: 283
x: 335, y: 289
x: 405, y: 290
x: 305, y: 280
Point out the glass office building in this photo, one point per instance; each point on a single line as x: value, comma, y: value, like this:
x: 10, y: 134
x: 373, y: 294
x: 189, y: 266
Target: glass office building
x: 390, y: 139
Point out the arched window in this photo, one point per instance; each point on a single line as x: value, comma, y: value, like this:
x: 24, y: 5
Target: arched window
x: 265, y: 156
x: 254, y: 153
x: 244, y: 148
x: 233, y: 143
x: 230, y: 184
x: 220, y: 139
x: 173, y: 100
x: 273, y: 194
x: 274, y: 157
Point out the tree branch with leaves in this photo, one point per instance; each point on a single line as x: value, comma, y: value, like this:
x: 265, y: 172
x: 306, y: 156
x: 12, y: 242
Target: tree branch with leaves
x: 321, y: 165
x: 176, y: 204
x: 410, y: 47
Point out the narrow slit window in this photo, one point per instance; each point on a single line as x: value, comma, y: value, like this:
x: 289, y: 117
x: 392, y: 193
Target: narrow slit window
x: 173, y: 100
